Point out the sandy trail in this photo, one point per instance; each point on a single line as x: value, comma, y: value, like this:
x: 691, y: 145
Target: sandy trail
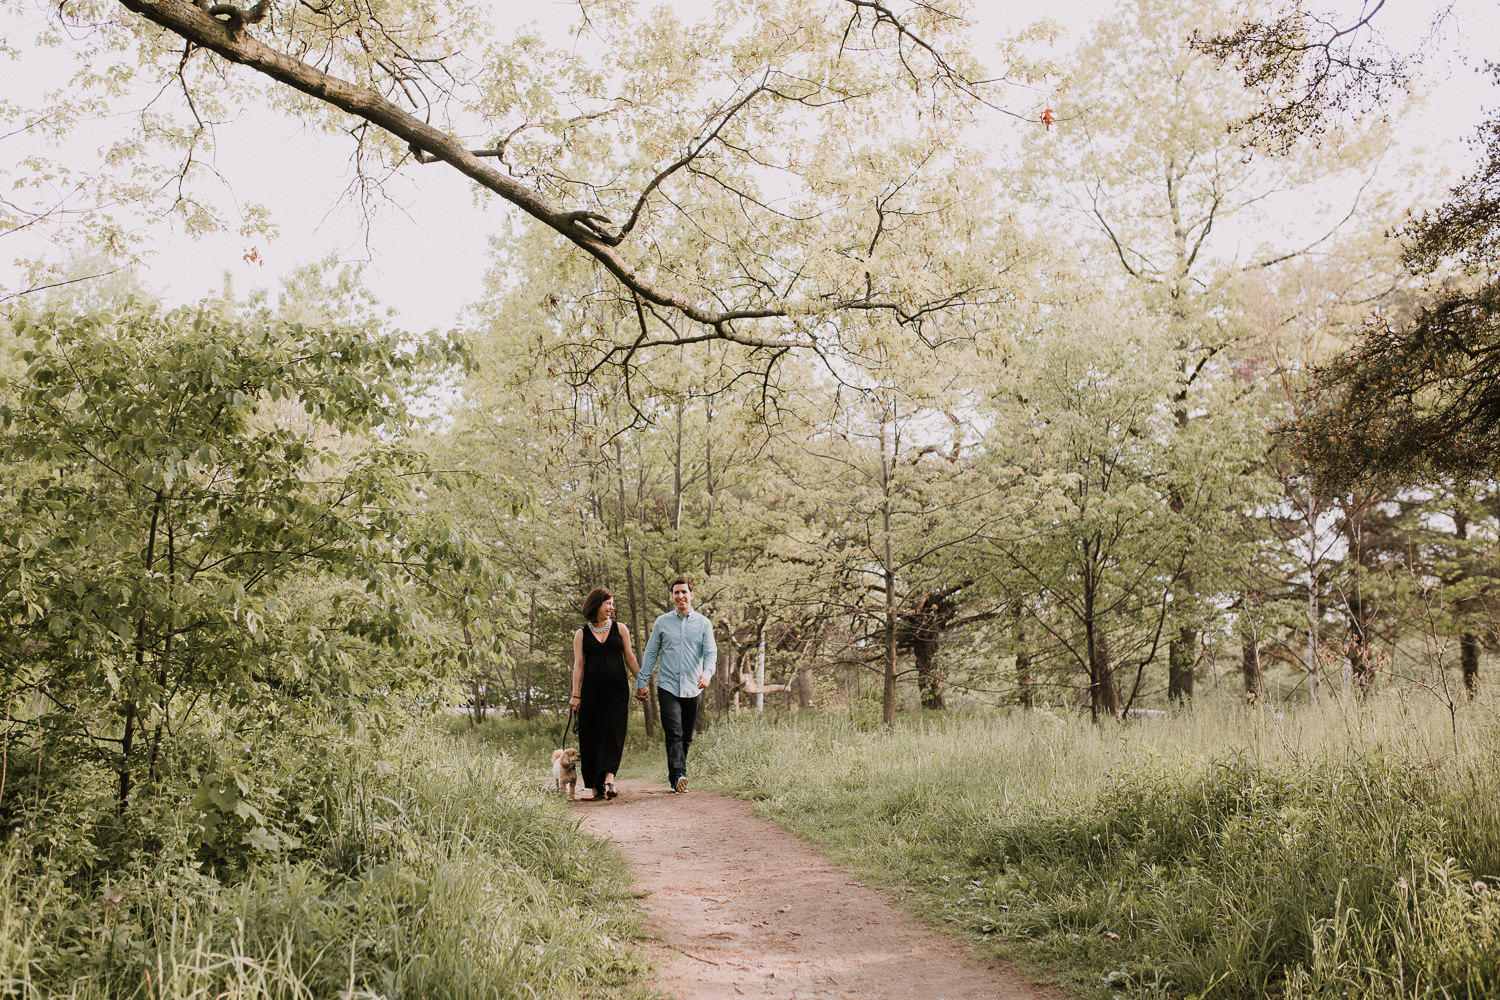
x: 745, y: 908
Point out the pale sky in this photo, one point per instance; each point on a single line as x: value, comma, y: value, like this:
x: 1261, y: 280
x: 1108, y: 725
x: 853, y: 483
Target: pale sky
x: 428, y: 252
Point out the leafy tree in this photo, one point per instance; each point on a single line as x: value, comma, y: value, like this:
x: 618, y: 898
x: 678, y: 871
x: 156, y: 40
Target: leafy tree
x: 1097, y: 562
x: 1414, y: 401
x: 1308, y: 68
x: 894, y: 503
x: 1143, y: 159
x: 590, y: 481
x: 684, y: 465
x: 1295, y: 570
x: 671, y: 154
x: 1419, y: 398
x: 181, y: 478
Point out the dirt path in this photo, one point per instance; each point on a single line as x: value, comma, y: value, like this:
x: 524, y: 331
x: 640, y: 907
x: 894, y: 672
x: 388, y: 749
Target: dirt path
x: 746, y: 909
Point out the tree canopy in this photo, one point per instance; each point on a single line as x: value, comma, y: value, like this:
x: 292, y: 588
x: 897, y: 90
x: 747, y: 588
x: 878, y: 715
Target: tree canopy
x: 675, y: 156
x: 1418, y: 398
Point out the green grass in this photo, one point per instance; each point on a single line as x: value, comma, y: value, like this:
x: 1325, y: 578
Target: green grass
x: 533, y: 742
x: 1343, y: 851
x: 422, y: 865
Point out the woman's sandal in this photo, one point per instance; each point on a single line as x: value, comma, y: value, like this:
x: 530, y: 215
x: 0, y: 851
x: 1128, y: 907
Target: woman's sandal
x: 609, y: 790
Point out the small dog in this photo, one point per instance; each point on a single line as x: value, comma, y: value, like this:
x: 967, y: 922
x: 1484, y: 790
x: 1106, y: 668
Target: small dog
x: 565, y: 772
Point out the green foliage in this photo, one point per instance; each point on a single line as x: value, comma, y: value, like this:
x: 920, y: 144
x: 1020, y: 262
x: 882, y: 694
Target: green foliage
x: 1414, y: 401
x: 1302, y: 858
x: 1418, y: 398
x: 425, y: 866
x: 177, y: 476
x: 1126, y: 500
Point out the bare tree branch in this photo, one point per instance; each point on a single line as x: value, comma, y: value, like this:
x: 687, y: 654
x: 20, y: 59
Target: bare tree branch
x: 1307, y: 68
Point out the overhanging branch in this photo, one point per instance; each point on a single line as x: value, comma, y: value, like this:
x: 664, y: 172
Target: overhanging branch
x: 221, y: 29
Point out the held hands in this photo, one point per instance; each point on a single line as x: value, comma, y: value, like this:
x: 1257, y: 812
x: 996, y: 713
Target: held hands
x: 702, y: 683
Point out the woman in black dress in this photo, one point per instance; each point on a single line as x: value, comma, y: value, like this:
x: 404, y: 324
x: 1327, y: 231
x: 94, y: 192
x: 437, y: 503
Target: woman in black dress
x: 601, y: 691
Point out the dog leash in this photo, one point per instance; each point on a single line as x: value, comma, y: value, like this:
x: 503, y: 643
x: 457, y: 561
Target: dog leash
x: 572, y: 724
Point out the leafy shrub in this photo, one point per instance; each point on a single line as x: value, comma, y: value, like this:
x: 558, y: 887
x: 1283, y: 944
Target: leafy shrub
x: 174, y: 477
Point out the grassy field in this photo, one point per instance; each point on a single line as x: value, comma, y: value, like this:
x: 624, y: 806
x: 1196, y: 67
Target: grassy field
x: 423, y: 863
x: 1345, y: 850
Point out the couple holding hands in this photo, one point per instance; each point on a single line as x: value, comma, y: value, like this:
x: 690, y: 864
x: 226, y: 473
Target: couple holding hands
x: 682, y: 654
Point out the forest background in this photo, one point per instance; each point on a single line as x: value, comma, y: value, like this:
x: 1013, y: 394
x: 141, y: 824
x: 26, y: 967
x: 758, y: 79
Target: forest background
x: 939, y: 413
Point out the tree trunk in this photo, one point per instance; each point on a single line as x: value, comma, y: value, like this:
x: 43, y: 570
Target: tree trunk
x: 1180, y: 661
x: 708, y: 480
x: 476, y: 700
x: 888, y: 691
x: 127, y: 741
x: 888, y: 696
x: 924, y: 647
x: 1182, y: 650
x: 152, y: 773
x: 760, y: 668
x: 132, y: 710
x: 477, y: 693
x: 1025, y: 682
x: 1104, y: 696
x: 530, y: 657
x: 677, y: 480
x: 651, y: 708
x: 852, y: 679
x: 1314, y: 611
x: 1468, y: 648
x: 1361, y: 662
x: 802, y: 683
x: 638, y: 641
x: 1250, y: 671
x: 165, y: 696
x: 1468, y: 644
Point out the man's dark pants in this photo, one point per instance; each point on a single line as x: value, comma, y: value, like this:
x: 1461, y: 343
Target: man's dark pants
x: 678, y: 717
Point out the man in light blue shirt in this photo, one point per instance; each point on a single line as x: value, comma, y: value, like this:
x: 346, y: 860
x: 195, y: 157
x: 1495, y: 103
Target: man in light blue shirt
x: 682, y: 654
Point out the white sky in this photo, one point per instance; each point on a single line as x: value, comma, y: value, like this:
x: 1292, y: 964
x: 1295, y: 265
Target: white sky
x: 428, y: 252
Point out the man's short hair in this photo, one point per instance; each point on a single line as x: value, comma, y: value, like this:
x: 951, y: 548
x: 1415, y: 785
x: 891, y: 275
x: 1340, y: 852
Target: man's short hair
x: 681, y: 581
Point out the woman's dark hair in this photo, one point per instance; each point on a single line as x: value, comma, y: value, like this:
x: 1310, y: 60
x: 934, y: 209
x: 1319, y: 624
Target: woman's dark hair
x: 595, y: 601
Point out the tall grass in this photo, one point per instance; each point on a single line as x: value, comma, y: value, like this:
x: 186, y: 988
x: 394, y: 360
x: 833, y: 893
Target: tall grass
x: 535, y: 739
x: 1347, y: 850
x: 429, y: 866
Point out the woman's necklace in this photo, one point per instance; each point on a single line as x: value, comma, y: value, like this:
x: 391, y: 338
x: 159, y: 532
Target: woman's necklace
x: 601, y: 631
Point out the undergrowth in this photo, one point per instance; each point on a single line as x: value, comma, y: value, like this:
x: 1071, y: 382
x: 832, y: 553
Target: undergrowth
x: 1346, y: 851
x: 322, y: 864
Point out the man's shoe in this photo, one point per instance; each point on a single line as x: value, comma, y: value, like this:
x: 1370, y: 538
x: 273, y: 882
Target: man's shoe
x: 680, y: 785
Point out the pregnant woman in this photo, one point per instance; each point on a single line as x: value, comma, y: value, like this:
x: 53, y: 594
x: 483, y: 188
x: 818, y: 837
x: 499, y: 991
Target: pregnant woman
x: 601, y: 691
